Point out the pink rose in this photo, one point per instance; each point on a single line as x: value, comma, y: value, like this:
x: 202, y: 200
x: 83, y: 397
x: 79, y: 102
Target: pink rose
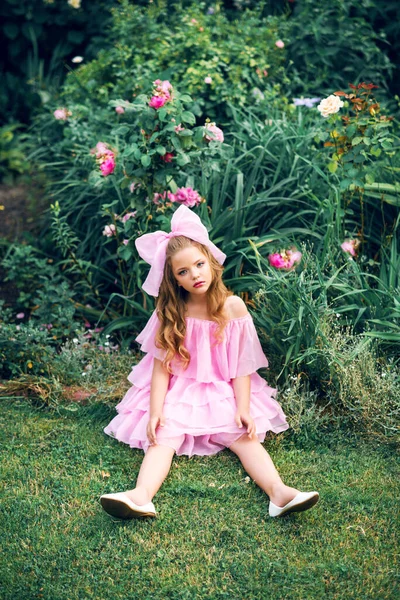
x: 276, y: 260
x: 187, y: 196
x: 168, y: 156
x: 20, y: 315
x: 119, y: 110
x: 126, y: 242
x: 109, y: 230
x: 350, y: 246
x: 157, y: 101
x: 207, y: 79
x: 107, y: 166
x: 286, y: 259
x: 279, y: 44
x: 62, y: 114
x: 161, y: 197
x: 213, y: 132
x: 129, y: 215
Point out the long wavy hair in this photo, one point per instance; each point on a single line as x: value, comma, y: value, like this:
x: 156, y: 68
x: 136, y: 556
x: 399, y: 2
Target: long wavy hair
x: 172, y: 300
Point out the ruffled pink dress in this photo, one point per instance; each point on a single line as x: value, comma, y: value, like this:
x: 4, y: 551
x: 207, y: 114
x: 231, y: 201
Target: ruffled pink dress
x: 199, y: 406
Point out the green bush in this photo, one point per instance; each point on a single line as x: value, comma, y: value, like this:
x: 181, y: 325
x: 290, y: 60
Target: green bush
x: 185, y: 44
x: 330, y: 45
x: 40, y: 36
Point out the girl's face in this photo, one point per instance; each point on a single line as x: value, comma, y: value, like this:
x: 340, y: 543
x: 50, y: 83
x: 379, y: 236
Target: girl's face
x: 192, y: 270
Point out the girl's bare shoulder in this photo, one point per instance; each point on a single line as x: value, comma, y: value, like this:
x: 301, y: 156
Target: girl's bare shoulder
x: 235, y: 307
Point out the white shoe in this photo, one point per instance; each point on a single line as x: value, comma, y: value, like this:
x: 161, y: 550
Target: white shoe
x: 302, y: 501
x: 121, y: 506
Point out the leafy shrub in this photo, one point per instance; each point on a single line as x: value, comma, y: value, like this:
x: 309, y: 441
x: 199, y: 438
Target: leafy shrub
x: 186, y: 45
x: 331, y: 45
x: 13, y: 149
x: 40, y: 35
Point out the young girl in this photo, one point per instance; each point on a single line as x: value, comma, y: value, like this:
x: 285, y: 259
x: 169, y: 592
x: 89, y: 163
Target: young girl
x: 196, y: 391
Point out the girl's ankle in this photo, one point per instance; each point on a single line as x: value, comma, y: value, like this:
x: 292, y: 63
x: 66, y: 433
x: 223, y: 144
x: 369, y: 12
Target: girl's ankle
x: 139, y: 496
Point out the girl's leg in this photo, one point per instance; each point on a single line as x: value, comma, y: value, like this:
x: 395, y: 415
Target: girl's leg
x: 258, y: 464
x: 154, y: 469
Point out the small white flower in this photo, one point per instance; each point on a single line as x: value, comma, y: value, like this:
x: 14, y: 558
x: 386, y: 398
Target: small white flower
x: 247, y: 479
x: 77, y: 59
x: 106, y: 343
x: 107, y: 336
x: 83, y: 374
x: 337, y: 315
x: 383, y: 375
x: 76, y: 341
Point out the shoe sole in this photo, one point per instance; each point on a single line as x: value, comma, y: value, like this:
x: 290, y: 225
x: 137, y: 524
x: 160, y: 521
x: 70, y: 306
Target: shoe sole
x: 300, y: 507
x: 119, y: 509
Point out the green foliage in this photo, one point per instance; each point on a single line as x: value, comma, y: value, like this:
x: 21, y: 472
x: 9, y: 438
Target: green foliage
x: 24, y: 348
x: 330, y: 45
x: 13, y: 148
x: 293, y: 308
x: 43, y: 292
x: 40, y: 35
x: 185, y: 44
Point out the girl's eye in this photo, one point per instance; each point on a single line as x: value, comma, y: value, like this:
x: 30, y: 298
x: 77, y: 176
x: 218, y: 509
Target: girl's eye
x: 200, y: 263
x: 181, y: 272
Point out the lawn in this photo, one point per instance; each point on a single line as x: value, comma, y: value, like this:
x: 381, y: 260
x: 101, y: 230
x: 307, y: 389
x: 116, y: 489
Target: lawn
x: 213, y: 538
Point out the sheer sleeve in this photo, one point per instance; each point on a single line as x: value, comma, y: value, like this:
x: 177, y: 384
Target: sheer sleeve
x: 245, y: 353
x: 146, y: 338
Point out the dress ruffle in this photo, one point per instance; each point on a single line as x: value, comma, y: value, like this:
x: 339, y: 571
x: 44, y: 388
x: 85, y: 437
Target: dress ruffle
x: 200, y: 405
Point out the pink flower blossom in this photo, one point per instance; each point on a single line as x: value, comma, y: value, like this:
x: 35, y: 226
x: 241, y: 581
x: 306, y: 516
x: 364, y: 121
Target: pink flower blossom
x: 161, y: 93
x: 129, y: 215
x: 207, y: 79
x: 100, y: 150
x: 216, y: 133
x: 107, y: 167
x: 119, y: 110
x: 179, y: 128
x: 187, y: 196
x: 157, y: 101
x: 134, y: 186
x: 62, y: 114
x: 286, y: 259
x: 162, y: 87
x: 161, y: 197
x: 350, y: 246
x: 168, y: 156
x: 109, y: 230
x: 126, y: 242
x: 276, y: 260
x: 20, y: 315
x: 279, y: 44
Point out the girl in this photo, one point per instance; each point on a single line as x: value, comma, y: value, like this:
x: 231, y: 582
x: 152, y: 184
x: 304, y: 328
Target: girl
x: 196, y: 391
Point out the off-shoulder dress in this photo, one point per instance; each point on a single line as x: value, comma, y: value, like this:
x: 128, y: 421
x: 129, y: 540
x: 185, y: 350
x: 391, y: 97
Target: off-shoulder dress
x: 199, y: 406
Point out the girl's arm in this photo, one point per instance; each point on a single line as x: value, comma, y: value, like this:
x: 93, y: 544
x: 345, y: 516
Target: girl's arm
x: 241, y: 389
x: 158, y: 390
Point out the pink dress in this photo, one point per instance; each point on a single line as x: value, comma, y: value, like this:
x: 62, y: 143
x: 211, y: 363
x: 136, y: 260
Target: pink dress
x: 199, y: 406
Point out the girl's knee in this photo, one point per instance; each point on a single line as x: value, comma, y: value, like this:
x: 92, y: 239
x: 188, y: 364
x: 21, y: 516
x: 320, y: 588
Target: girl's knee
x: 241, y: 442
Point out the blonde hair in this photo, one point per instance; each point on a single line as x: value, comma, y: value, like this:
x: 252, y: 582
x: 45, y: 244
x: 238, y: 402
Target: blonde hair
x: 172, y: 299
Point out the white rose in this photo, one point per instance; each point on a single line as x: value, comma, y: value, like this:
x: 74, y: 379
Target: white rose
x: 330, y: 105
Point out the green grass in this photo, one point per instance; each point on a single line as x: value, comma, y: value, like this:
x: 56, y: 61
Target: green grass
x: 213, y: 538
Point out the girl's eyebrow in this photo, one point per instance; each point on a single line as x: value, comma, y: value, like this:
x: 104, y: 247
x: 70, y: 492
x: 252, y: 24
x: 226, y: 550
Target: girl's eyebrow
x: 195, y: 262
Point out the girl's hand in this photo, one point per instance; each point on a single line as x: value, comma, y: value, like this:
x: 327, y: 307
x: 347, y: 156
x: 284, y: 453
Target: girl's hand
x: 243, y: 419
x: 154, y: 422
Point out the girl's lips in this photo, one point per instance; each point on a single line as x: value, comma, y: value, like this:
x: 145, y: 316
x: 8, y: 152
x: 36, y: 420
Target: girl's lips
x: 199, y: 284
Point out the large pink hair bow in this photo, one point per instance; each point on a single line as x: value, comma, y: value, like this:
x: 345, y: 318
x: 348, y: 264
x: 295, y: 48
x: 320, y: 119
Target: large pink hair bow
x: 152, y: 247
